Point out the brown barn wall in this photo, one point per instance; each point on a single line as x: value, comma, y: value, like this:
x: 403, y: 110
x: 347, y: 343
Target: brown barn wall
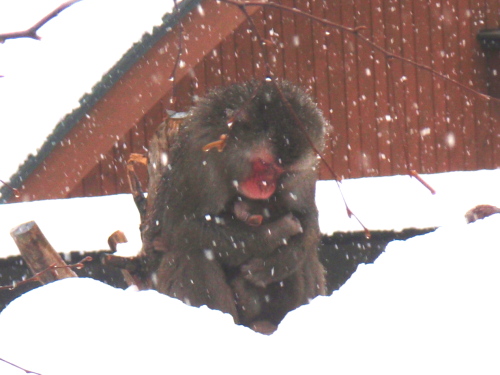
x: 387, y: 116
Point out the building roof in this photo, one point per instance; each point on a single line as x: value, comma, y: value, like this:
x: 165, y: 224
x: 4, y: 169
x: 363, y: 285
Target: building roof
x: 88, y: 101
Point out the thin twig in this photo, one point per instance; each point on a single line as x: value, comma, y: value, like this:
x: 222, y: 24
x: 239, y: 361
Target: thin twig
x: 316, y: 151
x: 36, y: 276
x: 16, y: 192
x: 375, y: 47
x: 20, y: 368
x: 358, y: 35
x: 32, y: 32
x: 262, y: 42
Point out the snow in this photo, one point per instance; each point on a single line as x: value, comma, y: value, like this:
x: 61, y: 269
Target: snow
x: 79, y: 224
x: 427, y: 305
x: 381, y: 203
x: 44, y: 80
x: 399, y: 202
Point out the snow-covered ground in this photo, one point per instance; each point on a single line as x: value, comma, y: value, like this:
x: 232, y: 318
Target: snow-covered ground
x: 427, y: 305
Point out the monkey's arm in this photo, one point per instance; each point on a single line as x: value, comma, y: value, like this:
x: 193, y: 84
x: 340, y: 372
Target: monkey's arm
x: 232, y: 242
x: 286, y: 259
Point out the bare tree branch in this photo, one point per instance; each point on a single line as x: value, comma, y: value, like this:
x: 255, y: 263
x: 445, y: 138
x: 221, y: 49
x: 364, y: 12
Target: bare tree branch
x: 36, y: 277
x: 16, y: 192
x: 33, y: 30
x: 356, y: 31
x: 20, y: 368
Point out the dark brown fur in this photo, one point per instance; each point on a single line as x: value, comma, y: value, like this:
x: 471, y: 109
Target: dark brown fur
x: 209, y: 254
x: 480, y: 212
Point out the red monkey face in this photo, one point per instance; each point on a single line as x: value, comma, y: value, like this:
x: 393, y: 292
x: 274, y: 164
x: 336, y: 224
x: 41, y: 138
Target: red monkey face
x: 262, y: 182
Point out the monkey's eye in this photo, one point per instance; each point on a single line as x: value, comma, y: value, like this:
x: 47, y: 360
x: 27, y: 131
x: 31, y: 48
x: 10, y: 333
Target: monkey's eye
x: 249, y: 128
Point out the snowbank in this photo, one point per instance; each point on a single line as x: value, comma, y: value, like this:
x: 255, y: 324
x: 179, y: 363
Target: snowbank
x: 428, y: 305
x: 382, y: 203
x: 399, y: 202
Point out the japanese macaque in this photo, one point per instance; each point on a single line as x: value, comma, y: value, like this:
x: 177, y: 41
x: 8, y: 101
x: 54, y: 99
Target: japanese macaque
x: 480, y: 212
x: 236, y: 225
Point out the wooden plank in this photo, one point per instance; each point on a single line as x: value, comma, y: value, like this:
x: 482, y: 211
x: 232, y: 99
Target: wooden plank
x: 322, y: 79
x: 304, y: 42
x: 408, y: 49
x: 382, y: 112
x: 199, y: 86
x: 366, y: 96
x: 121, y: 155
x: 437, y: 51
x: 137, y: 136
x: 77, y: 191
x: 259, y: 67
x: 213, y: 69
x: 395, y: 86
x: 227, y: 49
x: 492, y: 19
x: 92, y: 182
x: 454, y: 139
x: 481, y: 106
x: 152, y: 119
x: 338, y: 141
x: 355, y: 168
x: 495, y: 133
x: 108, y: 175
x: 243, y: 52
x: 466, y: 42
x: 290, y: 43
x: 274, y: 34
x: 183, y: 94
x: 426, y: 117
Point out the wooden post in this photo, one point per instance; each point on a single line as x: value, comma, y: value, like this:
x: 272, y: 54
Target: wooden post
x: 39, y: 254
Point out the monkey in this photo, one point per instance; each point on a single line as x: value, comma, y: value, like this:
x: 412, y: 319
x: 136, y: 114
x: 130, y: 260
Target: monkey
x: 242, y: 211
x: 479, y: 212
x: 208, y: 253
x: 252, y: 298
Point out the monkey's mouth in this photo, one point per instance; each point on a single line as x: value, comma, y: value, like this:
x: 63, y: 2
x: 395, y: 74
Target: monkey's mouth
x: 262, y: 182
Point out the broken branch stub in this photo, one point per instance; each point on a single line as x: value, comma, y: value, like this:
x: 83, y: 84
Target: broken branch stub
x: 39, y: 254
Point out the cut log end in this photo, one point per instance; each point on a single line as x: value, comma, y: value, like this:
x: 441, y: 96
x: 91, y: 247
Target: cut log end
x: 22, y: 229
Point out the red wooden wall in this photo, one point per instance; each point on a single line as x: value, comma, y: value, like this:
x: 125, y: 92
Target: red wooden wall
x: 388, y: 116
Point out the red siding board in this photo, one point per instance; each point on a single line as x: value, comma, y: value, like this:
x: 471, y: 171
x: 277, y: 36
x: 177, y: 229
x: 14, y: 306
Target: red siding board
x: 408, y: 48
x: 350, y: 43
x: 337, y: 93
x: 384, y: 112
x: 366, y: 97
x: 396, y: 87
x: 437, y: 53
x: 290, y: 50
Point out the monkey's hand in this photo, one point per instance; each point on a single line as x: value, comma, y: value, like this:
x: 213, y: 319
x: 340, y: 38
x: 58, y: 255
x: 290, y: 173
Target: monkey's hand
x: 255, y: 272
x: 263, y: 271
x: 280, y: 264
x: 278, y: 232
